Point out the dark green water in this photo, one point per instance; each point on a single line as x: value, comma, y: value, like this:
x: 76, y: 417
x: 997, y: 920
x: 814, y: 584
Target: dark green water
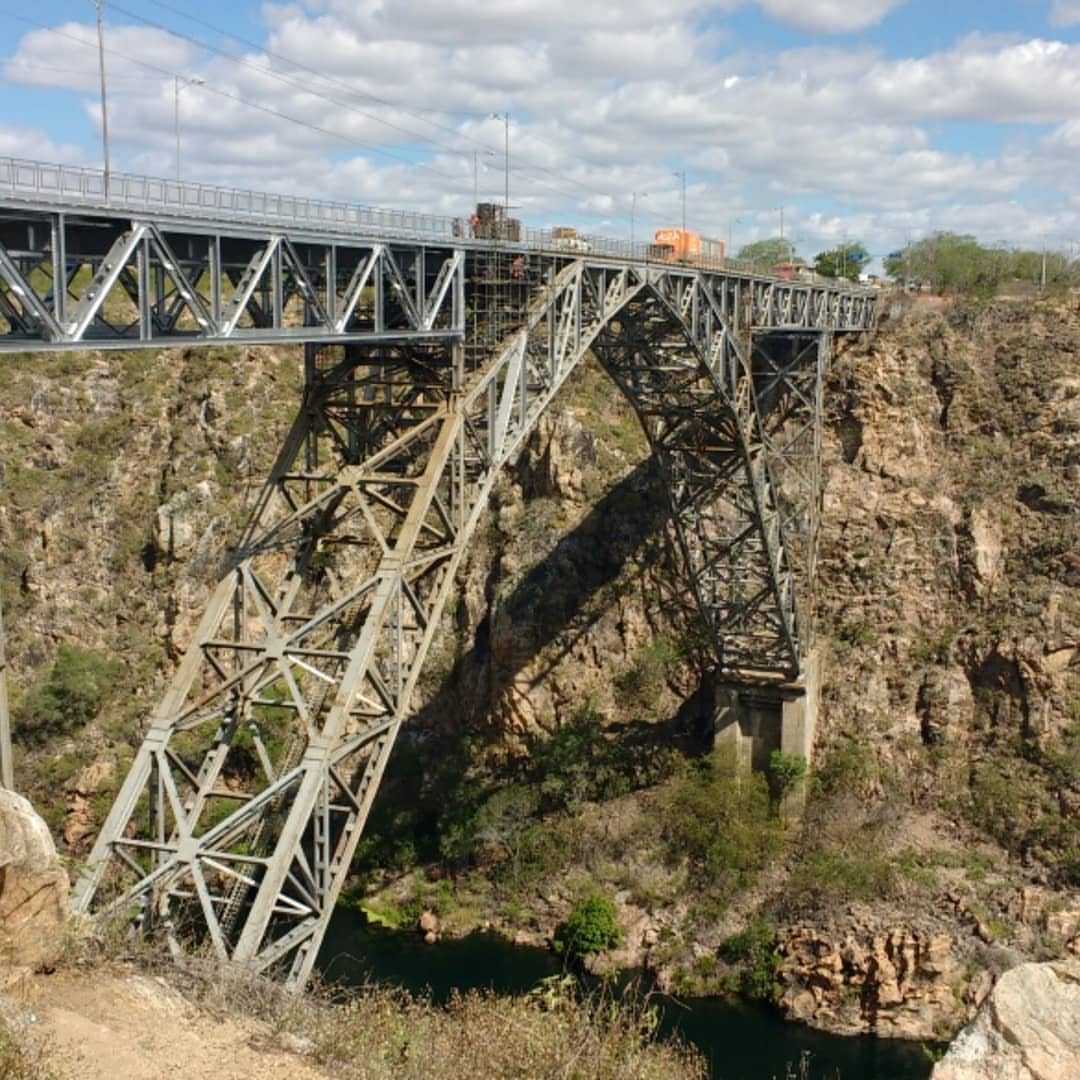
x: 740, y: 1043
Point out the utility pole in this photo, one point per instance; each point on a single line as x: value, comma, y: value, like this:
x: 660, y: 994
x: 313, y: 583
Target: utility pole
x: 506, y: 173
x: 633, y: 209
x: 178, y: 85
x: 7, y: 772
x: 104, y: 107
x: 682, y: 178
x: 731, y: 223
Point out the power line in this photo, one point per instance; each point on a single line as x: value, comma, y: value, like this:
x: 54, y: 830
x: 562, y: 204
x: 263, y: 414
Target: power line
x: 237, y: 98
x: 525, y: 164
x: 90, y: 73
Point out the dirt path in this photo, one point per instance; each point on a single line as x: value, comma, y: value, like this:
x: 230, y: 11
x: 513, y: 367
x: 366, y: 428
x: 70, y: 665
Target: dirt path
x: 104, y: 1027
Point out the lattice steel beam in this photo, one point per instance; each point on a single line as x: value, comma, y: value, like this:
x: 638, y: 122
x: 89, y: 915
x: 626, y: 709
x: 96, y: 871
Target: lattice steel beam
x: 239, y: 818
x: 240, y: 815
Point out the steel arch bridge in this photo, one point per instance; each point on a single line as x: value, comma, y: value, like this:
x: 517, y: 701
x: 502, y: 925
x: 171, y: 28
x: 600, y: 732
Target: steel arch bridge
x: 428, y: 360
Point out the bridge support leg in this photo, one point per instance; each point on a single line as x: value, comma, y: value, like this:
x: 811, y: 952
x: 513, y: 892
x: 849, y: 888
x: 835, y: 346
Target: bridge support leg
x: 754, y: 719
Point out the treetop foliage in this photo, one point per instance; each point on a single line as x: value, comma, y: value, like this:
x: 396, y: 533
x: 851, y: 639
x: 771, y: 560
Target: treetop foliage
x: 777, y: 249
x: 959, y: 263
x: 845, y: 261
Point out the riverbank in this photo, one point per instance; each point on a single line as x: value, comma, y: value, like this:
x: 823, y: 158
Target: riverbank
x: 736, y: 1040
x: 143, y: 1019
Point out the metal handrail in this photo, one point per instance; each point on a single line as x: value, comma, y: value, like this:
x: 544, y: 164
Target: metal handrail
x: 31, y: 181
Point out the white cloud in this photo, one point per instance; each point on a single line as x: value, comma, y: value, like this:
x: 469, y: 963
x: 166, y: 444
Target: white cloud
x: 830, y: 16
x: 1065, y: 12
x: 605, y: 100
x: 37, y: 145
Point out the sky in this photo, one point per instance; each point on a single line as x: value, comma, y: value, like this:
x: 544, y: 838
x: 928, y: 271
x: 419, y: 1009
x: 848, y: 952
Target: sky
x: 880, y: 121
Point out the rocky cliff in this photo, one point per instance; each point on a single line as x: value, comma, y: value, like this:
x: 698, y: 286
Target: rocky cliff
x: 561, y: 739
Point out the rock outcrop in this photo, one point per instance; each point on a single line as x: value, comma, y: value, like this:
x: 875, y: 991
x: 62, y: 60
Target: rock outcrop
x: 33, y: 888
x: 900, y: 984
x: 1029, y: 1029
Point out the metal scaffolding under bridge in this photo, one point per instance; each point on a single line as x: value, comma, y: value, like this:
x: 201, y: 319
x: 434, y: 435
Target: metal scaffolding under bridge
x: 429, y: 357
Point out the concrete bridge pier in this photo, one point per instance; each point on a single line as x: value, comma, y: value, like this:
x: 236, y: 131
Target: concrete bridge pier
x: 756, y: 717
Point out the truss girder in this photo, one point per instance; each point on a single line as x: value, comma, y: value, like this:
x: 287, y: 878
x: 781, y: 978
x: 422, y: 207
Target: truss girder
x: 75, y: 276
x: 143, y: 284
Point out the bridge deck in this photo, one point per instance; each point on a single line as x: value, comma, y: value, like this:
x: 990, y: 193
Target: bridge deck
x: 155, y: 262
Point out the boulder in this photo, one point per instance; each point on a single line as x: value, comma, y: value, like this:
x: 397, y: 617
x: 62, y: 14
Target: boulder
x: 429, y: 927
x: 1028, y: 1029
x: 33, y: 888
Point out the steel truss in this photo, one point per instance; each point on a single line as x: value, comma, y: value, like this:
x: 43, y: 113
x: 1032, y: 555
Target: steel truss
x: 788, y: 373
x: 73, y: 282
x: 155, y: 263
x: 241, y: 813
x: 673, y: 353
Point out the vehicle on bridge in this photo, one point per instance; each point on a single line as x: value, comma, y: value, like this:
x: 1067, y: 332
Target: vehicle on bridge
x: 793, y: 271
x: 686, y: 246
x: 567, y: 238
x: 491, y: 222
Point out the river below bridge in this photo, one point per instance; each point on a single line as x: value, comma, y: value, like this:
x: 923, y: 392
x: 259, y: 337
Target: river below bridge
x: 739, y: 1042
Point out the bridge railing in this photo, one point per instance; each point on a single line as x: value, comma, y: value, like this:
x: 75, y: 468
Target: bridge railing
x: 37, y: 181
x: 77, y: 185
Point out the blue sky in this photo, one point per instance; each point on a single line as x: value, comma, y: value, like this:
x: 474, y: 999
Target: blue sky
x: 864, y: 119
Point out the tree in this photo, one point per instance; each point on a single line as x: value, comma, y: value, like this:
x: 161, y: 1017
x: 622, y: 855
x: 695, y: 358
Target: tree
x: 776, y: 249
x: 75, y: 689
x: 958, y: 263
x: 591, y: 927
x: 846, y: 261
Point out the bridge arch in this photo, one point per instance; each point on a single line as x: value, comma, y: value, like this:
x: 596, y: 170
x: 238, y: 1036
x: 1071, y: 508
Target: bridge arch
x: 240, y: 815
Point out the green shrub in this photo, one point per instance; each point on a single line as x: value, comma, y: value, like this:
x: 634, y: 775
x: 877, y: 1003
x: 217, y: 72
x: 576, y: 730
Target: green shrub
x: 590, y: 928
x: 826, y: 875
x: 70, y: 697
x: 721, y: 824
x: 754, y: 951
x: 785, y: 771
x: 642, y: 683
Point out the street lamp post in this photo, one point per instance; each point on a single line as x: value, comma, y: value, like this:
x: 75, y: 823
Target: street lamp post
x: 634, y: 196
x: 178, y: 85
x: 731, y: 223
x: 104, y: 108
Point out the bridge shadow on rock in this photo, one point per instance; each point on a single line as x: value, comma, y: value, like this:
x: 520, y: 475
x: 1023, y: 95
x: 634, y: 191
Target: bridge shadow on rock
x: 622, y: 547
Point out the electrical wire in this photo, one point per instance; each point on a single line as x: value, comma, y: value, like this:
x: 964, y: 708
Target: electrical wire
x: 235, y: 97
x: 280, y: 77
x: 416, y: 113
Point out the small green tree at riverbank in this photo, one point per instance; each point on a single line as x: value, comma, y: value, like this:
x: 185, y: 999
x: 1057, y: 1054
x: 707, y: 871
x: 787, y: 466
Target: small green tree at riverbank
x: 591, y: 927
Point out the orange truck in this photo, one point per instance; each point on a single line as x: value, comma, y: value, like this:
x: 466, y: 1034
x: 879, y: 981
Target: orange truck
x: 682, y: 245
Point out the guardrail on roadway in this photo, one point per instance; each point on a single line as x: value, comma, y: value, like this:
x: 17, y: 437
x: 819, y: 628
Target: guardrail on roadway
x: 37, y: 183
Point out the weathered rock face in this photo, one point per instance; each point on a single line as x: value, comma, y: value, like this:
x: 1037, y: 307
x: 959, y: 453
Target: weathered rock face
x: 33, y: 888
x: 901, y: 983
x: 1028, y: 1029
